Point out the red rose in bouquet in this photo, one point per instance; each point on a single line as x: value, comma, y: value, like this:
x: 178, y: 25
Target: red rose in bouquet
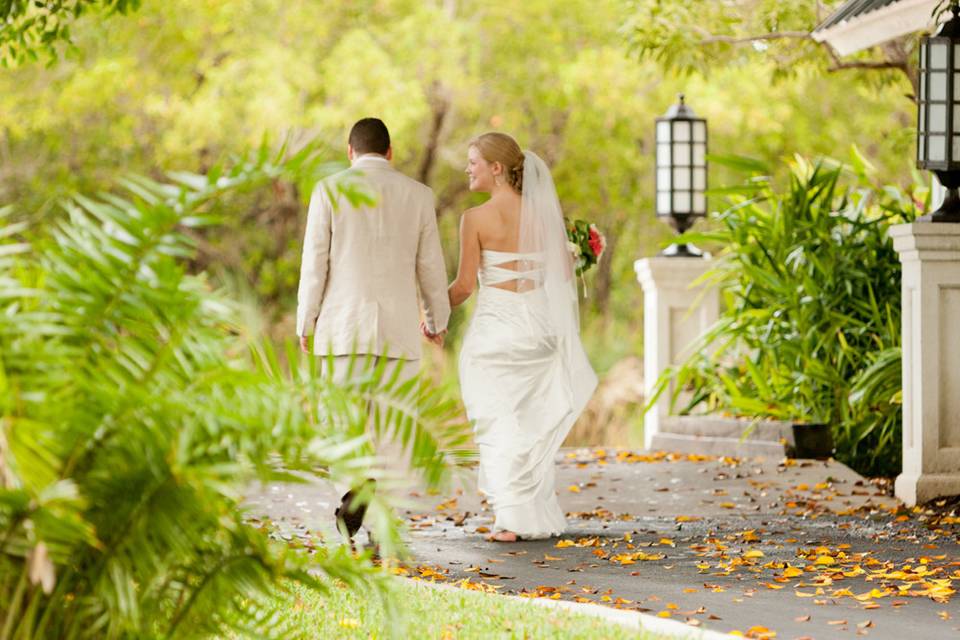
x: 597, y: 241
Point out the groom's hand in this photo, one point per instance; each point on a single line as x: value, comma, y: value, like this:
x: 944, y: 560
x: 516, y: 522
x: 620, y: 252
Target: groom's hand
x: 305, y: 344
x: 435, y: 338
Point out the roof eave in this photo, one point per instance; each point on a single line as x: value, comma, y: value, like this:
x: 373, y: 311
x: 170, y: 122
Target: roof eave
x: 879, y: 26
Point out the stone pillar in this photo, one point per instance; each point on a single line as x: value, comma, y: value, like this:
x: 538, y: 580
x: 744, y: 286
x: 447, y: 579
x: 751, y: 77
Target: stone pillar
x: 675, y: 313
x: 930, y: 254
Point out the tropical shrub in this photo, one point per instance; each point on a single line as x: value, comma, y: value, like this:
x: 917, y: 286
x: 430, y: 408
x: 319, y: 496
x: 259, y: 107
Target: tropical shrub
x: 811, y: 326
x: 134, y: 411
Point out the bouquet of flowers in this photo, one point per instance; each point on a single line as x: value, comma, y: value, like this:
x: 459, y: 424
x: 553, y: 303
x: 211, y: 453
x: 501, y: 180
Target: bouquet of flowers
x: 586, y: 243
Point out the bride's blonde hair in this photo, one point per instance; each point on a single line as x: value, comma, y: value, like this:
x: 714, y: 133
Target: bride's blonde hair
x: 499, y: 147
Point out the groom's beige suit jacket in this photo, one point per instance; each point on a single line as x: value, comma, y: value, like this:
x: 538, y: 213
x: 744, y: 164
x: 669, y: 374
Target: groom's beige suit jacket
x: 362, y: 266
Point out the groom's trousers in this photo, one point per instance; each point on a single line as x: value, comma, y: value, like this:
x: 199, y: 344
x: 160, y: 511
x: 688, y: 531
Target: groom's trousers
x: 394, y: 459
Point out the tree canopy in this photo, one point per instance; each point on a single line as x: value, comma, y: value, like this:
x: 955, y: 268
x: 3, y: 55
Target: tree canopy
x: 29, y: 28
x: 187, y: 84
x: 703, y: 36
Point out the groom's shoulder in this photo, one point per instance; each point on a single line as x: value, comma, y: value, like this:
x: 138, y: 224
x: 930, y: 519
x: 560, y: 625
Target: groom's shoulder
x: 415, y: 186
x: 336, y: 185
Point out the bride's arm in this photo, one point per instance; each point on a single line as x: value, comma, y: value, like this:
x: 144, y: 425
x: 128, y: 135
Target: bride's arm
x: 461, y: 288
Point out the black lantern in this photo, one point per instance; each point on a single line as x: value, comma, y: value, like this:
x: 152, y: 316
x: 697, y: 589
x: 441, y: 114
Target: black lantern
x: 681, y: 171
x: 938, y: 119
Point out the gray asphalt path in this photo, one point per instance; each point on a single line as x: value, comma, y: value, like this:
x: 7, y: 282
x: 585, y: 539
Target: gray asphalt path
x: 806, y: 549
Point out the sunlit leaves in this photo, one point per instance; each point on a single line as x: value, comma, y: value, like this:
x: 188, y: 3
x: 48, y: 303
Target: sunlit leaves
x: 29, y: 29
x: 137, y: 406
x: 810, y: 334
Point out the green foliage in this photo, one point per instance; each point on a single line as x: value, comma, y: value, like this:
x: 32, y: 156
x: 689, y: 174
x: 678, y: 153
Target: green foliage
x: 135, y: 410
x: 430, y: 612
x: 703, y: 36
x: 212, y: 79
x: 811, y: 328
x: 31, y: 27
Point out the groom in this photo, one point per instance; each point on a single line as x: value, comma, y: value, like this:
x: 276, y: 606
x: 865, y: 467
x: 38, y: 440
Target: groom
x: 363, y: 265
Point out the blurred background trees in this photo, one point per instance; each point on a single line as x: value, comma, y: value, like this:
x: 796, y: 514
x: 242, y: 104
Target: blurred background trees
x: 189, y: 83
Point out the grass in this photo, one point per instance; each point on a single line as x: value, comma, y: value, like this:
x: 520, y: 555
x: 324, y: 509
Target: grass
x: 444, y: 613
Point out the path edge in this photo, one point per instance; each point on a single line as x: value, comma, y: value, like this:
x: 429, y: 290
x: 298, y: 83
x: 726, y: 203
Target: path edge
x: 623, y: 617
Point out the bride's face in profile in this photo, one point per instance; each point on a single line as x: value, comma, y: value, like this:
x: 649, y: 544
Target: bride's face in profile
x: 479, y: 172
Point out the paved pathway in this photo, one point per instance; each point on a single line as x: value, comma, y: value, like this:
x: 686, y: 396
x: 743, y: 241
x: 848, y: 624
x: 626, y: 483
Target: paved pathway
x: 804, y: 549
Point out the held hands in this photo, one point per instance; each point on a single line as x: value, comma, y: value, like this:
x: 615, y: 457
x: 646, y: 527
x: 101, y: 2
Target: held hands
x: 435, y: 338
x: 305, y: 344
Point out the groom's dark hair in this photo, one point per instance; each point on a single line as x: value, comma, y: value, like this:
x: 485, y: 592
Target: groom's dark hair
x: 370, y: 135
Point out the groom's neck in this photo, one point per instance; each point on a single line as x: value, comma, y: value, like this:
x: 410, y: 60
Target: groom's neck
x: 369, y: 155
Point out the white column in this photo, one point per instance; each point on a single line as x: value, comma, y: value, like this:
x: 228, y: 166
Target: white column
x: 930, y: 254
x: 675, y: 313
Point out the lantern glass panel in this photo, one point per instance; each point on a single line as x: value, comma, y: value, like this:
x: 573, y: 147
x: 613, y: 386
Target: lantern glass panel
x: 663, y: 179
x: 956, y: 116
x: 681, y: 154
x: 938, y: 117
x: 699, y: 179
x: 938, y: 55
x: 681, y: 202
x: 923, y: 55
x: 699, y: 131
x: 699, y: 155
x: 663, y: 202
x: 663, y: 131
x: 681, y: 130
x: 681, y: 178
x: 923, y: 88
x: 937, y: 148
x: 955, y: 151
x: 938, y: 85
x: 956, y: 84
x: 923, y: 119
x: 699, y: 203
x: 663, y: 155
x: 920, y: 156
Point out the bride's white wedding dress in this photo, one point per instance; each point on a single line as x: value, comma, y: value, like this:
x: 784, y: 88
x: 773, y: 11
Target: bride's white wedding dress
x: 524, y: 375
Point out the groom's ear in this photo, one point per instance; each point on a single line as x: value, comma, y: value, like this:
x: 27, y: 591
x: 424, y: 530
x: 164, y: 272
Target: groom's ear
x: 389, y: 154
x: 350, y: 152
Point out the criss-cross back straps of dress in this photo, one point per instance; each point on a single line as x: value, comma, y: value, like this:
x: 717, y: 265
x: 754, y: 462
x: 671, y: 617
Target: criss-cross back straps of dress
x: 526, y: 269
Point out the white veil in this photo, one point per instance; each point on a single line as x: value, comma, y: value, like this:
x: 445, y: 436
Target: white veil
x: 543, y: 233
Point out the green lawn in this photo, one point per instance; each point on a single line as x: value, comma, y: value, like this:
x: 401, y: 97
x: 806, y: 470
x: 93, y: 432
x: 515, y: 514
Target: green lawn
x: 445, y: 613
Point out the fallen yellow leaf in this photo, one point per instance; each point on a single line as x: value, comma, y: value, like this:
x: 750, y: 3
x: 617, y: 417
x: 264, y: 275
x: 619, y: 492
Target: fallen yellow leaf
x: 687, y: 518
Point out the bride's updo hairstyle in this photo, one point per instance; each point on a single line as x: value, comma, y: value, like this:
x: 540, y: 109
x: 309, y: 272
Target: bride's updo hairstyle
x: 499, y: 147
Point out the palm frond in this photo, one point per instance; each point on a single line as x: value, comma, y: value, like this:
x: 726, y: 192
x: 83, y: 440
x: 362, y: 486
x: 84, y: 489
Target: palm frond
x: 133, y: 416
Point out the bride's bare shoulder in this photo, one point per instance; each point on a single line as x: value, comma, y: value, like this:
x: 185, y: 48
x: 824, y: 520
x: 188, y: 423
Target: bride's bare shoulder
x: 477, y: 216
x: 480, y: 209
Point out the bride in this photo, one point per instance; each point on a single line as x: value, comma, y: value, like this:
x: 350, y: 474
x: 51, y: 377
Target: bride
x: 523, y: 372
